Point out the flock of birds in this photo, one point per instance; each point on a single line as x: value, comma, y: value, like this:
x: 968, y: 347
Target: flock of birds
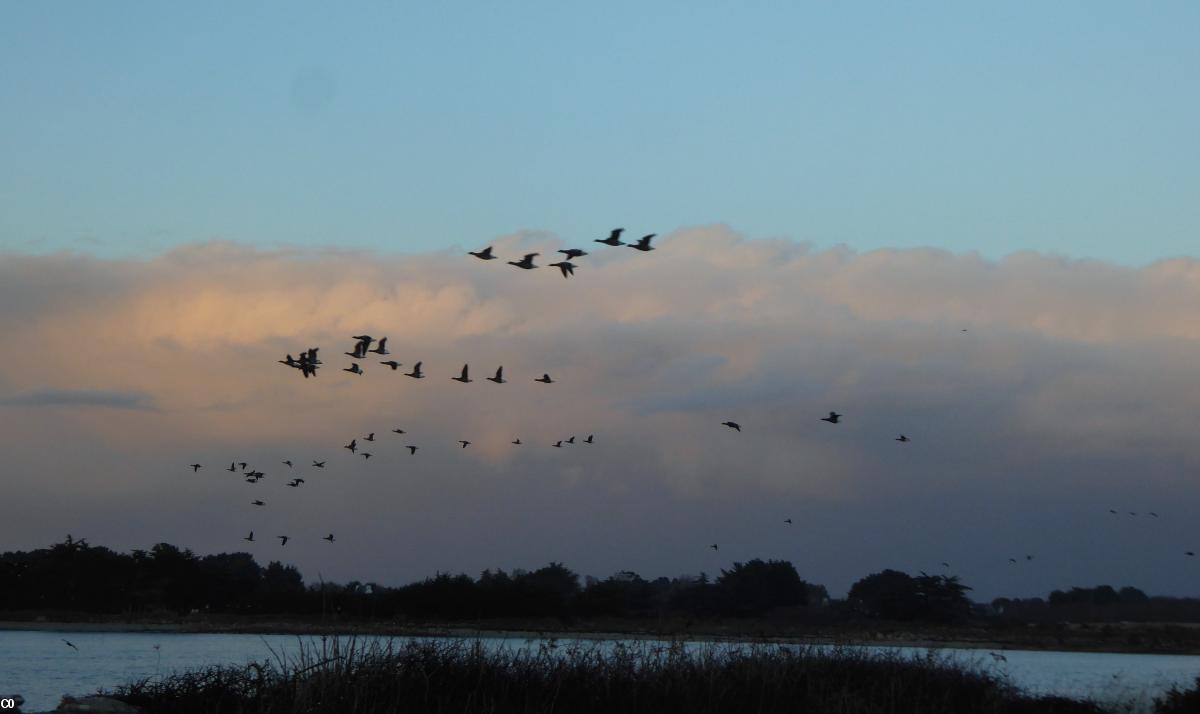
x: 308, y: 363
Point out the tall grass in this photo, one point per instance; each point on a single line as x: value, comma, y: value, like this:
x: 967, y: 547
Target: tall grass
x: 349, y: 677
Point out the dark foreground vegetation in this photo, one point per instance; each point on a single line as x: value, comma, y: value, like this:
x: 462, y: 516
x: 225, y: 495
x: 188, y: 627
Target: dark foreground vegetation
x: 463, y: 676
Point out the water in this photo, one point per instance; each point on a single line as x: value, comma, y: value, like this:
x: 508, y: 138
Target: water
x: 41, y: 667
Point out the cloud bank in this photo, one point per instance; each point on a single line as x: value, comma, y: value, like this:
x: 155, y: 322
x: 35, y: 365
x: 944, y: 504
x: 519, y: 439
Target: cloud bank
x: 1038, y: 392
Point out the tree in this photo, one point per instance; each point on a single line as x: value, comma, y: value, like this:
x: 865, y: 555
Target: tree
x: 753, y: 588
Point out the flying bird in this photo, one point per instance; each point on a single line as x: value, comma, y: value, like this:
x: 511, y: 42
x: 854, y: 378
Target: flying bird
x: 257, y: 503
x: 328, y: 538
x: 902, y: 438
x: 732, y: 425
x: 391, y: 363
x: 567, y: 268
x: 295, y: 482
x: 365, y: 455
x: 416, y: 373
x: 289, y: 463
x: 282, y: 540
x: 558, y: 444
x: 353, y: 369
x: 71, y: 645
x: 787, y: 521
x: 644, y: 243
x: 381, y: 349
x: 369, y: 437
x: 485, y: 254
x: 243, y: 465
x: 545, y: 379
x: 499, y: 378
x: 573, y: 253
x: 613, y: 238
x: 462, y: 377
x: 411, y: 450
x: 319, y: 464
x: 1190, y: 553
x: 517, y: 442
x: 526, y: 262
x: 232, y: 468
x: 398, y: 431
x: 250, y: 537
x: 465, y: 444
x: 1012, y: 561
x: 353, y: 445
x: 589, y: 439
x: 195, y: 467
x: 832, y: 418
x: 360, y: 350
x: 714, y: 547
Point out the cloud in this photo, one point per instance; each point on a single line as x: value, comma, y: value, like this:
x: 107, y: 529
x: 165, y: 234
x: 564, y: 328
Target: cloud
x: 48, y: 397
x: 1068, y: 394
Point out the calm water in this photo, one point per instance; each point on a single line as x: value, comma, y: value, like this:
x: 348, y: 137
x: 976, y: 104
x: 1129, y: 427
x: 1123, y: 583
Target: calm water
x: 40, y: 667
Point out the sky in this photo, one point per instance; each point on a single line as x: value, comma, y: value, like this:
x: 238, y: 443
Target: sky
x: 134, y: 127
x: 191, y: 193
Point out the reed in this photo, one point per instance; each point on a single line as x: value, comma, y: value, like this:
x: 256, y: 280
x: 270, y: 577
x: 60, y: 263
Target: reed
x: 348, y: 676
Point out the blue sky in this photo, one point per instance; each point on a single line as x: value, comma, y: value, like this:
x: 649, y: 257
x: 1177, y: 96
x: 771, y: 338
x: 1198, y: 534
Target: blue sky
x: 1070, y: 128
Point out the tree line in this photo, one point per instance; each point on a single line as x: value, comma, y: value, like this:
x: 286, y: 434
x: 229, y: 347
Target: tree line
x: 75, y: 576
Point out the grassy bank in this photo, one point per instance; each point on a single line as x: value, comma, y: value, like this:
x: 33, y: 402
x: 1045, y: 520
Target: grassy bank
x: 463, y: 676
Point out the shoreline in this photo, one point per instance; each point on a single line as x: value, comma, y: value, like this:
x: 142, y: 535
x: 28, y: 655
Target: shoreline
x: 854, y: 638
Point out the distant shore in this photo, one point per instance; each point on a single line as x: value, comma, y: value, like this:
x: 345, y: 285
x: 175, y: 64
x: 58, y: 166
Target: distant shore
x: 1129, y: 638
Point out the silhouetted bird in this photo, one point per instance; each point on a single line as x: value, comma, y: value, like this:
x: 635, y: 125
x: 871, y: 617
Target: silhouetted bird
x: 398, y: 431
x: 250, y: 537
x: 369, y: 437
x: 462, y: 377
x: 319, y: 464
x: 998, y: 657
x: 295, y: 482
x: 365, y: 455
x: 485, y: 254
x: 1012, y: 560
x: 353, y: 445
x: 416, y: 373
x: 1133, y: 513
x: 526, y: 262
x: 1029, y: 557
x: 232, y: 468
x: 567, y: 268
x: 732, y: 425
x: 499, y: 378
x: 945, y: 564
x: 1152, y: 513
x: 558, y: 444
x: 1113, y: 511
x: 517, y: 442
x: 787, y: 521
x: 411, y: 450
x: 392, y: 363
x: 589, y: 439
x: 545, y: 379
x: 71, y: 645
x: 381, y: 349
x: 195, y: 467
x: 643, y: 244
x: 360, y: 350
x: 832, y: 418
x: 328, y: 538
x: 571, y: 440
x: 1190, y: 553
x: 613, y: 238
x: 243, y: 465
x: 289, y: 463
x: 465, y: 444
x: 573, y: 253
x: 902, y: 438
x: 257, y: 503
x: 353, y: 369
x: 714, y: 547
x: 282, y: 540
